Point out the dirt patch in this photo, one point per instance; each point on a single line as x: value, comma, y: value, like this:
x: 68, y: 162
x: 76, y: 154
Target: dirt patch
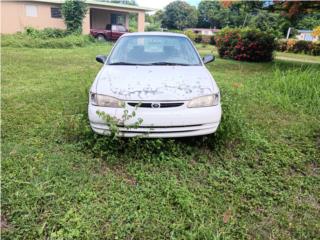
x: 119, y: 171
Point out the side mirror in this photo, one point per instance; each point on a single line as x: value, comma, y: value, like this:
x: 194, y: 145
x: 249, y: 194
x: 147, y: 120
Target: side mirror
x: 208, y: 58
x: 101, y: 58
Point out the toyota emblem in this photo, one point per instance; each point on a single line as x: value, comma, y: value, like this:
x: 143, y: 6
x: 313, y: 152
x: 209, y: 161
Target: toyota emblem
x: 155, y: 105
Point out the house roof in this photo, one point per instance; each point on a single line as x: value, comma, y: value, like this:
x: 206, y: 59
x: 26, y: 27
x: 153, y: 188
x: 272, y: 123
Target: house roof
x: 204, y: 29
x: 305, y: 31
x: 99, y: 3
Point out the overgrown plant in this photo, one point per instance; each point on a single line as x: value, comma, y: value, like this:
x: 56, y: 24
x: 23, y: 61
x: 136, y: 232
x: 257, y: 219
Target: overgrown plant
x: 114, y: 123
x: 73, y: 12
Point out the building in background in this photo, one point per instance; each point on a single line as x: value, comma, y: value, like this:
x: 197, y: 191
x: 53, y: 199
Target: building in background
x: 306, y: 35
x: 40, y: 14
x: 204, y: 31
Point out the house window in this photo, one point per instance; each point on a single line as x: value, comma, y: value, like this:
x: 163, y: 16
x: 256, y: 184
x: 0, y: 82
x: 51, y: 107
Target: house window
x: 56, y: 12
x: 31, y: 11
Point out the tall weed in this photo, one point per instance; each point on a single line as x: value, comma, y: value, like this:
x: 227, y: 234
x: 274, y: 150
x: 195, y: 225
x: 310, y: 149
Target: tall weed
x: 294, y: 88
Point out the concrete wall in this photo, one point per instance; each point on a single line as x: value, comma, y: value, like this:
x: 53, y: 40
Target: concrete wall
x: 14, y: 18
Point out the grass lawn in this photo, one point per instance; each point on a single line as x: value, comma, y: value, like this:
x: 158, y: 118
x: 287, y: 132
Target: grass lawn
x: 258, y: 178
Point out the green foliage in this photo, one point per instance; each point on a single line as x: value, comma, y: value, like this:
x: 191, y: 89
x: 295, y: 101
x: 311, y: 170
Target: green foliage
x: 73, y: 12
x: 214, y: 14
x: 153, y: 27
x: 289, y: 86
x: 152, y: 23
x: 133, y: 24
x: 298, y: 46
x: 270, y: 22
x: 245, y: 45
x: 179, y: 15
x: 309, y: 21
x: 35, y: 41
x: 46, y: 33
x: 190, y: 34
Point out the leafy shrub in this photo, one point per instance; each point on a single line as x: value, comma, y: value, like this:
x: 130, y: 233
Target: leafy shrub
x: 190, y: 34
x: 290, y: 44
x: 302, y: 46
x: 245, y: 45
x: 23, y: 40
x: 212, y: 40
x: 206, y: 39
x: 153, y: 27
x: 298, y: 46
x: 198, y: 38
x: 46, y: 33
x: 315, y: 49
x: 73, y: 12
x: 281, y: 45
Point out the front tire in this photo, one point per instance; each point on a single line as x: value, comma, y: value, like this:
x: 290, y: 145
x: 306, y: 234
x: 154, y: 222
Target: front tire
x: 101, y: 38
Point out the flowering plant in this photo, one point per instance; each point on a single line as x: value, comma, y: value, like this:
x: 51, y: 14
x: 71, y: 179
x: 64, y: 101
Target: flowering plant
x: 245, y: 45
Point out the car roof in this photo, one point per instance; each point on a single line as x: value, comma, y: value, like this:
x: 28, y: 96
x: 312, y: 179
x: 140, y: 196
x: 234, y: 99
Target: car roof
x: 169, y: 34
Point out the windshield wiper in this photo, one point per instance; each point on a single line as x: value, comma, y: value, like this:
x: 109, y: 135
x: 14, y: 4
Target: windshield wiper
x: 127, y: 63
x: 169, y: 64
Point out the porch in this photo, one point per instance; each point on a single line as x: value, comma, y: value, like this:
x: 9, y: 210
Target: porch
x: 98, y: 18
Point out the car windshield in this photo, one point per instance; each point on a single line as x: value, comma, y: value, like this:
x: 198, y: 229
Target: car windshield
x: 154, y: 50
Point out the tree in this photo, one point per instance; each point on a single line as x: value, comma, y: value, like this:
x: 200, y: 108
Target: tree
x: 294, y: 9
x: 73, y: 12
x: 309, y: 21
x: 222, y: 14
x: 179, y: 15
x: 270, y: 22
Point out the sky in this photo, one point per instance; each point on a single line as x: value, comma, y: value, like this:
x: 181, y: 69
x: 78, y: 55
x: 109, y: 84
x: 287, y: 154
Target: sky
x: 159, y: 4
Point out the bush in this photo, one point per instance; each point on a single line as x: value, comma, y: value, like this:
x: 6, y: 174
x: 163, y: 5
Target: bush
x: 190, y: 34
x: 315, y: 48
x: 23, y: 40
x: 73, y: 12
x: 302, y: 46
x: 212, y: 40
x: 198, y: 38
x: 46, y: 33
x: 298, y: 46
x: 245, y: 45
x: 206, y: 39
x: 281, y: 45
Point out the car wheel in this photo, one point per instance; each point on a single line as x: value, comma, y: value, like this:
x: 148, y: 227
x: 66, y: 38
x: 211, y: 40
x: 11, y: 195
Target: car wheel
x: 101, y: 38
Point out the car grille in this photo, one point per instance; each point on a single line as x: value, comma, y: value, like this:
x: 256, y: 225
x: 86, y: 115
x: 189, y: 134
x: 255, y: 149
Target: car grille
x: 156, y: 105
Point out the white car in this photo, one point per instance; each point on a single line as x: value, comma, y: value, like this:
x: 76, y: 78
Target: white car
x: 154, y: 85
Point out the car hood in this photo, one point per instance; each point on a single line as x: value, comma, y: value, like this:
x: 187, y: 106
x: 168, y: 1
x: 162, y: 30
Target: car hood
x: 155, y: 83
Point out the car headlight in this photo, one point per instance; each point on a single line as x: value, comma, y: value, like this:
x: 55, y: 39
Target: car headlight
x: 105, y: 101
x: 205, y: 101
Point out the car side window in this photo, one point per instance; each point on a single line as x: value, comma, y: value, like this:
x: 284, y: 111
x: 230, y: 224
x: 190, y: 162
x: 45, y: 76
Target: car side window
x: 108, y: 27
x: 121, y: 28
x: 114, y: 28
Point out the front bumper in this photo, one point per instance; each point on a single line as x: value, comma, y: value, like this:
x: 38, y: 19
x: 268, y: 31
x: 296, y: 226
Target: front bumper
x: 159, y: 123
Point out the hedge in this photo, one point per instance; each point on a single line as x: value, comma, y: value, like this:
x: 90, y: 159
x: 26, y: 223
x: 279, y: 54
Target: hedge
x: 299, y: 46
x: 22, y: 40
x: 245, y: 44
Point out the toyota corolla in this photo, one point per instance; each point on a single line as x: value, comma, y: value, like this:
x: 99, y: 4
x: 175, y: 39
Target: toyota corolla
x: 160, y: 81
